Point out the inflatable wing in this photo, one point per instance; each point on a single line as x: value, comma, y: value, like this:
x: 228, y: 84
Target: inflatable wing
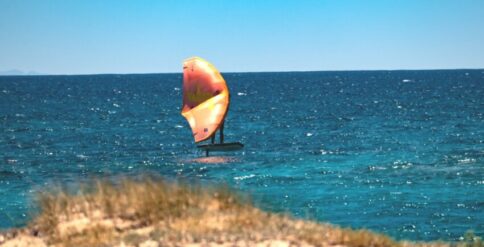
x: 205, y: 98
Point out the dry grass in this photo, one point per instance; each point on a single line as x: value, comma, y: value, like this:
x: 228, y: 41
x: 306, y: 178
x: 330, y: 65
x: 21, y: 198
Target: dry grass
x: 157, y: 213
x: 104, y: 205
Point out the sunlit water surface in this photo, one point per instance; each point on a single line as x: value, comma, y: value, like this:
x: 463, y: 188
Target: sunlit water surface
x: 399, y: 152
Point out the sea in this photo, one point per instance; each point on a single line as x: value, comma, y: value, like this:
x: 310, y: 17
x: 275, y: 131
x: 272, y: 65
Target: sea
x: 396, y: 152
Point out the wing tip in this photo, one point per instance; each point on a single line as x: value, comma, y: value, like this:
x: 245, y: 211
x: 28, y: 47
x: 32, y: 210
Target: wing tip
x: 195, y: 58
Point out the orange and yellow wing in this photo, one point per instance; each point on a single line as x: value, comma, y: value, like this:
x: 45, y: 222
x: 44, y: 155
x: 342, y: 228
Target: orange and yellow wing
x: 205, y: 98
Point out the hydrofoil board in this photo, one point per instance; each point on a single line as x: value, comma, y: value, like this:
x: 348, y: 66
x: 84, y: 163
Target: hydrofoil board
x: 220, y: 147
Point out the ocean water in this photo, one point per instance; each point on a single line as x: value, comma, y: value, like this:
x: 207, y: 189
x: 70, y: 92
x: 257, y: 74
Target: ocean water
x: 398, y: 152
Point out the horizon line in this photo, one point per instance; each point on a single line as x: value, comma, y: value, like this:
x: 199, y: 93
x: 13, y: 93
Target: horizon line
x: 247, y: 72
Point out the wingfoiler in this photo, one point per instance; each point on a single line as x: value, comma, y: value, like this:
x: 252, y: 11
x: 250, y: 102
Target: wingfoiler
x: 206, y: 101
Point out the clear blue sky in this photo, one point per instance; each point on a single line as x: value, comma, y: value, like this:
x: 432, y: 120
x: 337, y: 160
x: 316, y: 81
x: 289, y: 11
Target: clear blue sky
x: 87, y: 37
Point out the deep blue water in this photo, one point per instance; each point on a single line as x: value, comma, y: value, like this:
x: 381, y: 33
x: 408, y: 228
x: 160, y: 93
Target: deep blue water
x: 400, y: 152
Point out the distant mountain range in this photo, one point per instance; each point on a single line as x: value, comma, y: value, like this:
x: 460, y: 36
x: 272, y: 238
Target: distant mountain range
x: 18, y: 72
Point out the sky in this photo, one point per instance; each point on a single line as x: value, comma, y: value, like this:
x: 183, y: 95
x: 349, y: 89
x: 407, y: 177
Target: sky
x: 94, y: 37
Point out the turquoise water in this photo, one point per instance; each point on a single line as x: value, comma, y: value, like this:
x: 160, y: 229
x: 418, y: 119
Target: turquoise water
x: 399, y: 152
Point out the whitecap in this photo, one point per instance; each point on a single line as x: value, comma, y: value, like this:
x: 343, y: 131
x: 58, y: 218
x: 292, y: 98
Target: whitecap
x: 375, y: 168
x: 466, y: 161
x: 82, y: 156
x: 244, y: 177
x: 11, y: 161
